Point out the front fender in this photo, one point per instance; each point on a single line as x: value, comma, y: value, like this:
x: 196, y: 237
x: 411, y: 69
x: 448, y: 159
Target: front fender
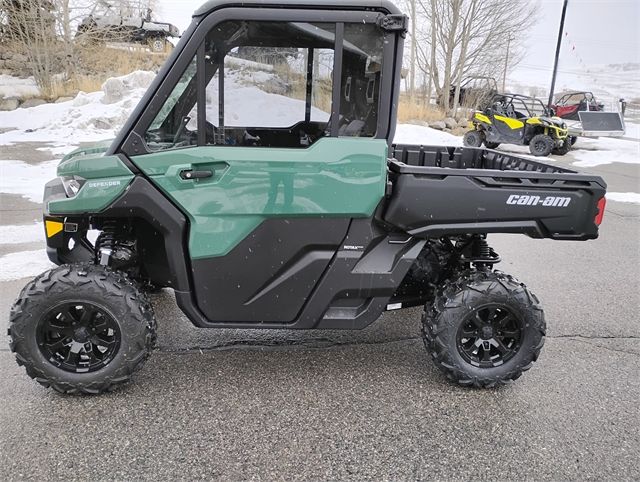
x: 104, y: 179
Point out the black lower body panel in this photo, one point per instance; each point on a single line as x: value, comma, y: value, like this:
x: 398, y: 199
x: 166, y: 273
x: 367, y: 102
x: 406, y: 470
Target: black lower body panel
x: 361, y: 275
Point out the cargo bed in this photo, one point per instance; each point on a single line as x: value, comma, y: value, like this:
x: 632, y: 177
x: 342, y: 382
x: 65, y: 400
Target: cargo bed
x: 440, y: 191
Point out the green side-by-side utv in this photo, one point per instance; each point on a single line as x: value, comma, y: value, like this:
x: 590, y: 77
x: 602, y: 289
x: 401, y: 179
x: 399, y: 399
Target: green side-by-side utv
x: 258, y: 180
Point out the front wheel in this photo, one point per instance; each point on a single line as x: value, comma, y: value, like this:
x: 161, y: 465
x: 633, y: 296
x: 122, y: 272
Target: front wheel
x: 473, y: 138
x: 82, y: 329
x: 484, y: 329
x: 541, y: 145
x: 564, y: 149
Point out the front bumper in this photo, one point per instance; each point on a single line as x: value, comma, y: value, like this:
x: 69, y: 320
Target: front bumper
x: 65, y: 236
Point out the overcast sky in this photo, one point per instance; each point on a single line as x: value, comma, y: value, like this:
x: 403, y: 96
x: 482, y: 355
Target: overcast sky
x: 602, y: 31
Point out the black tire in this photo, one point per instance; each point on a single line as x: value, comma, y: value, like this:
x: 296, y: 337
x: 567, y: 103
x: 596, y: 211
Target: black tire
x: 109, y: 299
x: 541, y: 145
x: 491, y: 145
x: 455, y: 309
x: 573, y: 140
x: 473, y: 138
x: 566, y: 147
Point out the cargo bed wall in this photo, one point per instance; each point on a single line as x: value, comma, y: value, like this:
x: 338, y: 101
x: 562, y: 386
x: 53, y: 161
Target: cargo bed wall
x: 445, y: 191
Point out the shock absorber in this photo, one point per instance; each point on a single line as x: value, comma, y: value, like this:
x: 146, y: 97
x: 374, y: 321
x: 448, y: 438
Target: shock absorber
x: 106, y: 242
x: 482, y: 255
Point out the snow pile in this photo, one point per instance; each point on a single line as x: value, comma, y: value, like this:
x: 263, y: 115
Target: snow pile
x: 11, y: 86
x: 415, y: 134
x: 256, y: 98
x: 117, y: 88
x: 87, y: 118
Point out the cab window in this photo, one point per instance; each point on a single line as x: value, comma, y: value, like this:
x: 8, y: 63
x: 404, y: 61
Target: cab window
x: 271, y: 84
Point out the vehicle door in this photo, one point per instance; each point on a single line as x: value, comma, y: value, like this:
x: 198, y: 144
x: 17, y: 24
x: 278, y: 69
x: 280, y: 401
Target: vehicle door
x: 268, y: 138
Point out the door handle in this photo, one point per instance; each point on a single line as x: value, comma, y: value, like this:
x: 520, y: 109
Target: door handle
x: 190, y: 174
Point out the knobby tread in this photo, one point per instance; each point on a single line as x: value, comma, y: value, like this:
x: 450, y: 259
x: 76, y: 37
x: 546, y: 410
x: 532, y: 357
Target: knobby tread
x: 118, y: 292
x: 455, y: 300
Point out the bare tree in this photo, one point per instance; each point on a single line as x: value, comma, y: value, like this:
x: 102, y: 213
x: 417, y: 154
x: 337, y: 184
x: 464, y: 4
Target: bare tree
x: 45, y: 31
x: 464, y: 38
x: 30, y: 27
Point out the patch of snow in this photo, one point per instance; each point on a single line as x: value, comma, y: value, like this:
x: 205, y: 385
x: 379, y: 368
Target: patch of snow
x: 632, y: 130
x: 420, y: 135
x: 597, y: 152
x: 624, y: 197
x: 23, y: 234
x: 24, y: 264
x: 11, y: 86
x: 26, y: 180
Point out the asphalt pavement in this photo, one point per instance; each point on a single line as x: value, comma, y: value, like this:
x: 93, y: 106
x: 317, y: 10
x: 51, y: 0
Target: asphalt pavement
x: 368, y: 405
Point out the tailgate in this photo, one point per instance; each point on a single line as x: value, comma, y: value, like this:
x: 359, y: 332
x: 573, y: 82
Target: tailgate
x: 439, y: 191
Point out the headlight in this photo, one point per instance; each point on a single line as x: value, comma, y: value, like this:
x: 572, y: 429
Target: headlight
x: 72, y: 185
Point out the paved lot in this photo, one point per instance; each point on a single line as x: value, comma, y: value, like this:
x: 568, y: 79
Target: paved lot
x: 357, y: 405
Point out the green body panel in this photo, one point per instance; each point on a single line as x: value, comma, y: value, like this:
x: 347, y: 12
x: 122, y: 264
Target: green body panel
x: 93, y: 167
x: 99, y: 147
x: 106, y: 177
x: 343, y: 177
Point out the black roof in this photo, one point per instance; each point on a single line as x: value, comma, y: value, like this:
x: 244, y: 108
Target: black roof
x: 383, y: 5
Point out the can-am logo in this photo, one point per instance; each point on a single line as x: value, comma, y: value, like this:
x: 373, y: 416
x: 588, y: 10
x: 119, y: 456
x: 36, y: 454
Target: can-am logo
x: 549, y: 201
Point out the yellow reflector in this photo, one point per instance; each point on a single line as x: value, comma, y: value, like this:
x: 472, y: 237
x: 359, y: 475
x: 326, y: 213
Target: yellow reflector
x: 53, y: 228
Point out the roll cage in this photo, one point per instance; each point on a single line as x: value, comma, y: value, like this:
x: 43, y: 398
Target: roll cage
x: 518, y: 106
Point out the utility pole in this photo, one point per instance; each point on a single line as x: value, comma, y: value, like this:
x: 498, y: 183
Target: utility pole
x: 412, y: 71
x: 506, y: 64
x: 555, y: 64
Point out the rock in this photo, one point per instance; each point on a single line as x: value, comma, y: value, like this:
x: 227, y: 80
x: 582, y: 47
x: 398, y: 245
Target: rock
x: 451, y: 123
x: 102, y: 124
x: 32, y: 103
x: 9, y: 104
x: 463, y: 123
x: 114, y: 90
x: 438, y: 125
x: 60, y: 100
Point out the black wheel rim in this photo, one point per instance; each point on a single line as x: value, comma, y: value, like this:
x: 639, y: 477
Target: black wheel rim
x: 540, y: 146
x: 78, y: 337
x: 490, y: 336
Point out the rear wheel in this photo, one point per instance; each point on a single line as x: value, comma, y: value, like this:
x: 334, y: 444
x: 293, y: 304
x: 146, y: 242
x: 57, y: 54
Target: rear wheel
x: 541, y: 145
x: 473, y: 139
x: 82, y: 329
x: 158, y: 45
x: 484, y: 329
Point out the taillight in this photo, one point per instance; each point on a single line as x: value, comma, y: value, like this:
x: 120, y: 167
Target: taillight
x: 601, y: 206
